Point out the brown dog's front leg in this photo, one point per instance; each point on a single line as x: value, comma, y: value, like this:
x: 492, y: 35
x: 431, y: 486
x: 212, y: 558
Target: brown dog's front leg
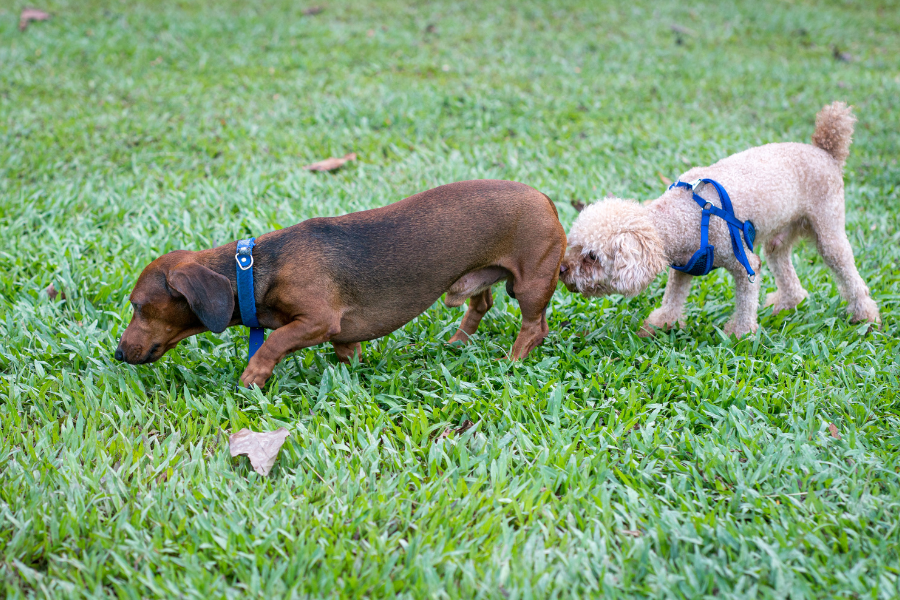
x: 304, y: 332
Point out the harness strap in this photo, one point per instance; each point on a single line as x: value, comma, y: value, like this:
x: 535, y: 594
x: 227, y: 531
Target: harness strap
x: 701, y: 262
x: 246, y: 294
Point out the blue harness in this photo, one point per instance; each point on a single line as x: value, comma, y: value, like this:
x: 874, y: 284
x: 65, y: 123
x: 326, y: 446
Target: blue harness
x: 701, y: 262
x: 246, y: 296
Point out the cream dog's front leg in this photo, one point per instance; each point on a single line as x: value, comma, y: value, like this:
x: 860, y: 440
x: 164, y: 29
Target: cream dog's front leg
x: 746, y: 299
x: 671, y: 313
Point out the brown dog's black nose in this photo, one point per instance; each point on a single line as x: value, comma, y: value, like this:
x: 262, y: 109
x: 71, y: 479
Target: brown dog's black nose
x: 119, y: 355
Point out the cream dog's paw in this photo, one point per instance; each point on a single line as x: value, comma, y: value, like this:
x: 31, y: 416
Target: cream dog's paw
x: 779, y: 302
x: 659, y: 320
x: 739, y: 329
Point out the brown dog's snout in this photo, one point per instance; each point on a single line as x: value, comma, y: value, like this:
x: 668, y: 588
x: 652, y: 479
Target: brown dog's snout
x: 135, y: 355
x: 133, y: 351
x: 128, y: 352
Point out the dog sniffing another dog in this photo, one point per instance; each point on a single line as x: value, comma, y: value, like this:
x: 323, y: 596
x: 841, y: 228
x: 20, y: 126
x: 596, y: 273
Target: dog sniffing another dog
x: 787, y: 191
x: 363, y: 275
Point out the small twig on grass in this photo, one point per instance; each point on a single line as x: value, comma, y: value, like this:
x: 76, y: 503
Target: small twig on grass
x: 311, y: 468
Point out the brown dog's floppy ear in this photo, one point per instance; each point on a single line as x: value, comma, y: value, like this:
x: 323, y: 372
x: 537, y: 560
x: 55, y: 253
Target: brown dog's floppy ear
x: 208, y: 293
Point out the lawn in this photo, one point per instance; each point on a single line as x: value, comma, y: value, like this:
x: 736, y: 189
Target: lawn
x: 690, y: 465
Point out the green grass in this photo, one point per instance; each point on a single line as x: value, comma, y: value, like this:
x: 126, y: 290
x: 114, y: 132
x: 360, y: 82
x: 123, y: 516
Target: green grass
x: 688, y: 466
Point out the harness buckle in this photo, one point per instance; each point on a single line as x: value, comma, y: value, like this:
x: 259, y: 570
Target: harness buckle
x: 751, y: 278
x: 241, y: 258
x: 696, y: 184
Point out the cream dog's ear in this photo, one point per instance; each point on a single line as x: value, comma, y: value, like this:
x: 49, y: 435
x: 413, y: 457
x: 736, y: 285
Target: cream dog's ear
x: 636, y: 257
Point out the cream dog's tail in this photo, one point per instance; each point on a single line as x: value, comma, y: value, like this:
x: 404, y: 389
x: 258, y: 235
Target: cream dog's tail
x: 834, y: 130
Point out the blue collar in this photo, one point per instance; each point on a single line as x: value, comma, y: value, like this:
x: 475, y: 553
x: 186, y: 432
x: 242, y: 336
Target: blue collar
x: 246, y: 295
x: 701, y: 262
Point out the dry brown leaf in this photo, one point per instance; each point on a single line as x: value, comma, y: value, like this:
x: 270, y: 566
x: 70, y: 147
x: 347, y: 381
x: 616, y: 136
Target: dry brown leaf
x: 53, y: 293
x: 313, y: 10
x: 464, y: 427
x: 834, y: 431
x: 577, y: 205
x: 841, y: 56
x: 31, y: 14
x: 261, y: 448
x: 330, y: 164
x: 681, y: 29
x: 664, y: 179
x: 630, y: 532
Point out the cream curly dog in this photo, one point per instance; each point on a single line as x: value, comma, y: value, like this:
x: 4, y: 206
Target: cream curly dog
x: 787, y: 191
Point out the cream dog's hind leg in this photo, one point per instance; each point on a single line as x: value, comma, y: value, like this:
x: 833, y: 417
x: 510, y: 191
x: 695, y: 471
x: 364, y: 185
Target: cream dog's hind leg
x: 834, y: 247
x: 790, y: 291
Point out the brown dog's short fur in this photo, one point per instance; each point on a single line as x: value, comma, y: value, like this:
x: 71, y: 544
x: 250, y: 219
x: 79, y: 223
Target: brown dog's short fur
x: 361, y: 276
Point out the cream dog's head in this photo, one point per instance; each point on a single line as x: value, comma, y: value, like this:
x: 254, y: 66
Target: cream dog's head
x: 614, y: 248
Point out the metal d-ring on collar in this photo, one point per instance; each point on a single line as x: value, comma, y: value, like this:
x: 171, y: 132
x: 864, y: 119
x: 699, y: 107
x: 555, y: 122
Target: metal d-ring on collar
x: 247, y: 295
x: 701, y: 262
x: 244, y: 257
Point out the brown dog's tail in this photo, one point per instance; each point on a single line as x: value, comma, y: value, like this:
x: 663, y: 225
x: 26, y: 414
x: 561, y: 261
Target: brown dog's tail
x: 834, y: 130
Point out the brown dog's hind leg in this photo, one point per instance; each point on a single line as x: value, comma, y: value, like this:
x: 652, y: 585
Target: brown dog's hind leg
x: 346, y: 351
x: 304, y: 332
x: 533, y: 297
x: 533, y: 285
x: 534, y: 330
x: 479, y: 304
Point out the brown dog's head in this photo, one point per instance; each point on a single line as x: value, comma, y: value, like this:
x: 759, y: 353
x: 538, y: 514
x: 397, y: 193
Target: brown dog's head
x: 614, y: 248
x: 175, y: 297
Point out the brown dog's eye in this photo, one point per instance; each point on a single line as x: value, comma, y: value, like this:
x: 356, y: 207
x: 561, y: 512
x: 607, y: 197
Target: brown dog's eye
x: 592, y: 256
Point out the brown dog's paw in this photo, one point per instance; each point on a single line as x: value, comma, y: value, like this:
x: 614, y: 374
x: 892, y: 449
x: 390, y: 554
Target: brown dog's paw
x: 255, y: 376
x: 460, y: 337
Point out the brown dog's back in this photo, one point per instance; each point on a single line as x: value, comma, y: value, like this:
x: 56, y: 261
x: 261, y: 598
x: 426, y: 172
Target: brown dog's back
x: 391, y: 263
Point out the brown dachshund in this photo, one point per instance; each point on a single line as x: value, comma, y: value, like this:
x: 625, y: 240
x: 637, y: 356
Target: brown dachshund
x: 361, y: 276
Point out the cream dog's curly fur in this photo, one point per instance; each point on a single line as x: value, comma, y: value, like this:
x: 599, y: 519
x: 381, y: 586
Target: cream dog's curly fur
x: 788, y: 191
